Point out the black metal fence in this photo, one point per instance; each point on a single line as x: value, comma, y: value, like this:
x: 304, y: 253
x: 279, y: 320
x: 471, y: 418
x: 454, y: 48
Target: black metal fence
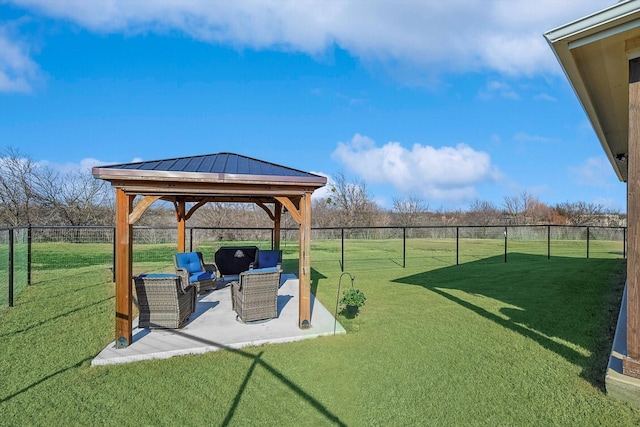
x: 26, y: 252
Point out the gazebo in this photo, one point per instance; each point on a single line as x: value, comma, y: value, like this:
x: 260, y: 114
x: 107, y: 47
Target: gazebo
x: 191, y: 182
x: 600, y: 55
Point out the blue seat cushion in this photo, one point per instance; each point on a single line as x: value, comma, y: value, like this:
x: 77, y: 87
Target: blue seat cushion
x: 201, y: 275
x: 190, y: 261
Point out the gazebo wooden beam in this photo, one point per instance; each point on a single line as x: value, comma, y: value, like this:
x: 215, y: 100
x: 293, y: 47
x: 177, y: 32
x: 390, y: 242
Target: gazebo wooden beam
x: 304, y: 278
x: 123, y: 261
x: 141, y: 207
x: 277, y: 225
x: 291, y: 208
x: 180, y: 207
x: 199, y: 189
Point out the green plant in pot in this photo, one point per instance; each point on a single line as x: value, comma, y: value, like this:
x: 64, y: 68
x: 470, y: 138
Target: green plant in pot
x: 352, y: 299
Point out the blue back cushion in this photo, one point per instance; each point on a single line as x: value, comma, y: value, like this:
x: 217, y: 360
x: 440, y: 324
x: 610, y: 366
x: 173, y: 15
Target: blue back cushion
x: 268, y: 258
x: 261, y: 270
x: 189, y: 260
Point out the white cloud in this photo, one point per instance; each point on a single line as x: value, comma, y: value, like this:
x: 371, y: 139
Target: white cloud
x: 454, y: 35
x: 18, y: 71
x: 594, y: 172
x: 500, y: 89
x: 84, y: 165
x: 445, y: 173
x: 323, y: 192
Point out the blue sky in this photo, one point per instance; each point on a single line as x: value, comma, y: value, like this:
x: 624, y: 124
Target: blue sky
x: 447, y: 102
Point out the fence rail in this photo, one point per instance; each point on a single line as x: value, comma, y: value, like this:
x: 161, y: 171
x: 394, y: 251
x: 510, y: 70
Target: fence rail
x: 28, y: 251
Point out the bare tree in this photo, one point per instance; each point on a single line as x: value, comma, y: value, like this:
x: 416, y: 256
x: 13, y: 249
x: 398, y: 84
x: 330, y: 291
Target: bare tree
x: 483, y: 212
x: 409, y: 210
x: 74, y: 198
x: 525, y: 209
x: 580, y: 213
x: 355, y: 206
x: 18, y: 197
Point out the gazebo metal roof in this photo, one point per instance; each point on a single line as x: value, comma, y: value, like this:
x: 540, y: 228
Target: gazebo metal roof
x: 215, y: 167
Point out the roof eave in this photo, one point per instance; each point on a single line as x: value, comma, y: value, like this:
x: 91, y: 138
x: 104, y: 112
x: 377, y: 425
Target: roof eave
x: 614, y: 20
x: 110, y: 174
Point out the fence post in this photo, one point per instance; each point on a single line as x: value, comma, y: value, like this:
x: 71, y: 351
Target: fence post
x: 29, y: 254
x: 505, y: 243
x: 342, y: 263
x: 457, y: 245
x: 548, y: 242
x: 404, y: 247
x: 588, y: 242
x: 11, y: 267
x: 624, y: 242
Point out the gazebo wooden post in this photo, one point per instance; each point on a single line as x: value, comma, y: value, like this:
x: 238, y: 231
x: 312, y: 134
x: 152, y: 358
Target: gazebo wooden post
x: 631, y: 363
x: 124, y: 239
x: 277, y: 225
x: 182, y: 228
x: 305, y: 263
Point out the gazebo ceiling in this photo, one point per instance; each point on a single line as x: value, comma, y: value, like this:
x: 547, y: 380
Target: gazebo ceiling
x: 223, y: 176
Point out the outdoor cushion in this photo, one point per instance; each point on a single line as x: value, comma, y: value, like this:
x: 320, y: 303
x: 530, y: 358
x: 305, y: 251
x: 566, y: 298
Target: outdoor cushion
x: 190, y: 261
x: 268, y: 258
x: 201, y: 275
x: 261, y: 270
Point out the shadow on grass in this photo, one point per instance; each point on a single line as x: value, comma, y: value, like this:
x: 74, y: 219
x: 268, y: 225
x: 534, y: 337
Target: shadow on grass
x: 257, y: 361
x: 554, y: 302
x: 51, y: 319
x: 45, y: 378
x: 66, y: 293
x: 53, y: 277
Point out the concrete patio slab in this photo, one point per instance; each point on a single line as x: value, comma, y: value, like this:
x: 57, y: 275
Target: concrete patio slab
x: 214, y: 326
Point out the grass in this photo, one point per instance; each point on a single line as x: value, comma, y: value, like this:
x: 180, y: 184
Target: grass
x: 483, y: 343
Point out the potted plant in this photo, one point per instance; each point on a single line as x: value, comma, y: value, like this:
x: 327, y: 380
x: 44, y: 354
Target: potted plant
x: 352, y: 299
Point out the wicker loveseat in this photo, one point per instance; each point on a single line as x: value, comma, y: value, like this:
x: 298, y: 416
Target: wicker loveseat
x: 233, y: 260
x: 164, y: 300
x: 255, y: 295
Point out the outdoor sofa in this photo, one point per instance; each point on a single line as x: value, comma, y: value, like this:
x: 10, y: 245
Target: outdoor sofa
x: 233, y: 260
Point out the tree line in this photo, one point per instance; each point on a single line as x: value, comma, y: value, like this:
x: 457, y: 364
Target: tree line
x: 33, y: 193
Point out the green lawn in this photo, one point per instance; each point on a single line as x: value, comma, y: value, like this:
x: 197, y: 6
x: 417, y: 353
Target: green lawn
x: 484, y: 343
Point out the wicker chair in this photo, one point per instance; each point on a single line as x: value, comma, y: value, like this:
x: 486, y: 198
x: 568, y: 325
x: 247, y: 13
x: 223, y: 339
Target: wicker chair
x: 164, y: 301
x: 255, y: 295
x: 192, y: 268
